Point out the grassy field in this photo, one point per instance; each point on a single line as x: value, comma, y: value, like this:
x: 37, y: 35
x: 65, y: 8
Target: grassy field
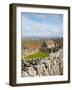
x: 37, y: 55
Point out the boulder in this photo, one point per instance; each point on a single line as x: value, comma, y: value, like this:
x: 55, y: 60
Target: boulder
x: 41, y: 70
x: 31, y: 71
x: 24, y: 74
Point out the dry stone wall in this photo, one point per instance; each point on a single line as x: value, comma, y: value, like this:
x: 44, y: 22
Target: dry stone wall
x: 53, y: 65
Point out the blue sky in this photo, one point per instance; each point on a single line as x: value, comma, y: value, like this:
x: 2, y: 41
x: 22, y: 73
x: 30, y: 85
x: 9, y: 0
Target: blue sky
x: 41, y: 25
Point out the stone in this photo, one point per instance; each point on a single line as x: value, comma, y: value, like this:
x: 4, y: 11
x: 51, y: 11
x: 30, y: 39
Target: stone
x: 31, y: 71
x: 24, y: 74
x: 41, y: 70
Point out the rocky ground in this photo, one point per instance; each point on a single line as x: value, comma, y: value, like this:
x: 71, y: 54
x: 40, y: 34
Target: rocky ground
x: 53, y: 65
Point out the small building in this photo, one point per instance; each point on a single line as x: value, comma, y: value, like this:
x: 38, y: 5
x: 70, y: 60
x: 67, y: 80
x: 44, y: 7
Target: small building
x: 50, y: 44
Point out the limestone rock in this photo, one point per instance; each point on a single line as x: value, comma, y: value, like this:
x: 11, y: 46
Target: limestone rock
x: 31, y: 71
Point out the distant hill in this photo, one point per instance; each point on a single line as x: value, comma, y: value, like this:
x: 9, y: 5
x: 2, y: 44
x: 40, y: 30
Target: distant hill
x: 41, y: 38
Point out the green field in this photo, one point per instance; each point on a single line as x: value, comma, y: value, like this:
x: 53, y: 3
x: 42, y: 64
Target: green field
x: 37, y: 55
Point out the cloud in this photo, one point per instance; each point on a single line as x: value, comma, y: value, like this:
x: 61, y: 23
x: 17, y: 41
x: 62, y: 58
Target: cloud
x: 32, y: 27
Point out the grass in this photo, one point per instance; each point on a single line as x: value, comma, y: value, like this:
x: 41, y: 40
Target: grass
x: 37, y: 55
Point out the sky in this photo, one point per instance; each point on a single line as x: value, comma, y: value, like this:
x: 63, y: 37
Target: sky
x: 41, y: 25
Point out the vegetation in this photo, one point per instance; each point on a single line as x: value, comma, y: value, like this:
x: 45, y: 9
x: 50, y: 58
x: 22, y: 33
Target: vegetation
x: 37, y: 55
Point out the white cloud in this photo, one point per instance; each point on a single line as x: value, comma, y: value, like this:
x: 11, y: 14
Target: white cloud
x: 33, y: 28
